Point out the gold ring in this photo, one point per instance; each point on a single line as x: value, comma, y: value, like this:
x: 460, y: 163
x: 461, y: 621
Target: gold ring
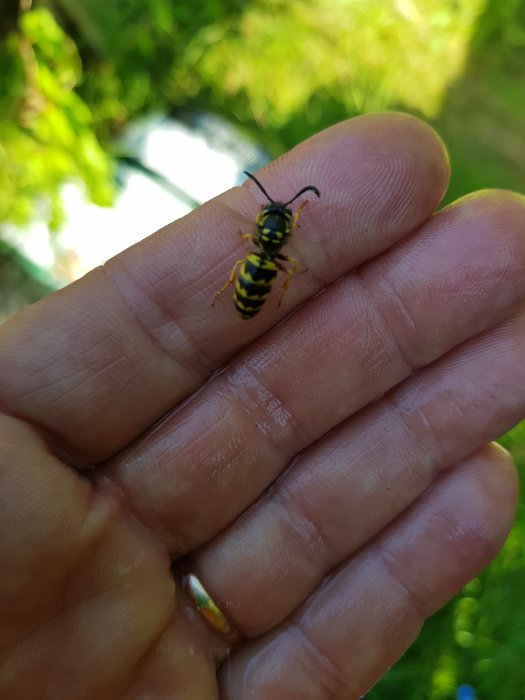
x: 205, y: 605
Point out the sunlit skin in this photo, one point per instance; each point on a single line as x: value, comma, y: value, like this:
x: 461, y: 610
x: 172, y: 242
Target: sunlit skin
x: 333, y: 486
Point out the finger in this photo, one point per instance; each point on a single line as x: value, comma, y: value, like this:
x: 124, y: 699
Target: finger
x: 463, y: 272
x: 182, y: 664
x: 366, y: 614
x: 80, y: 579
x: 98, y: 362
x: 340, y: 493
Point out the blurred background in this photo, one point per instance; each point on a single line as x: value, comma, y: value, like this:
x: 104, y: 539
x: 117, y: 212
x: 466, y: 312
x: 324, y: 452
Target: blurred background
x: 118, y: 116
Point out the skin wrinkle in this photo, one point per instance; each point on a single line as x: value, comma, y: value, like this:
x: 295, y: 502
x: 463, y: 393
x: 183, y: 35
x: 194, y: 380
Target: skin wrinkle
x: 314, y: 544
x: 368, y: 446
x: 185, y: 459
x: 402, y: 310
x: 90, y: 517
x: 83, y: 368
x: 419, y: 431
x: 125, y: 458
x: 182, y: 488
x: 17, y: 647
x: 184, y: 361
x: 64, y: 399
x: 249, y: 391
x: 418, y: 606
x: 321, y: 666
x: 218, y: 462
x: 400, y: 350
x: 163, y: 444
x: 189, y: 244
x: 324, y: 676
x: 297, y: 436
x: 333, y: 332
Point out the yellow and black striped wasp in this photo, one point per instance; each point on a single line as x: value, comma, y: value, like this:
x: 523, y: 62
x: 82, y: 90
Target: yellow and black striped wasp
x: 275, y: 222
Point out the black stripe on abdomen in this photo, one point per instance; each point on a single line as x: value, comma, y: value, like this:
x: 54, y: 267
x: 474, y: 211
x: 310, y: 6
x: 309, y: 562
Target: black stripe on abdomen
x: 253, y: 284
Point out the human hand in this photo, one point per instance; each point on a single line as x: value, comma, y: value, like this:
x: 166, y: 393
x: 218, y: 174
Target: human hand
x: 333, y: 485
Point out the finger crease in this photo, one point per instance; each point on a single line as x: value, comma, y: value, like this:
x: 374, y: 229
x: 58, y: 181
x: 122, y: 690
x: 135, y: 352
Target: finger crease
x: 415, y: 603
x: 420, y: 437
x: 304, y: 530
x: 375, y: 306
x: 193, y: 361
x: 256, y: 396
x: 324, y: 672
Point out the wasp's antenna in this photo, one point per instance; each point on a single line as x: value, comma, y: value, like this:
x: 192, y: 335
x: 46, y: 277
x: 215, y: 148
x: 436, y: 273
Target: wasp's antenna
x: 252, y: 177
x: 305, y: 189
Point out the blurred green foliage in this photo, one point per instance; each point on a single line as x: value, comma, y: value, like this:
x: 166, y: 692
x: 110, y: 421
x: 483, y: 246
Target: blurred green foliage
x: 73, y: 73
x: 478, y: 637
x: 46, y: 134
x: 21, y: 281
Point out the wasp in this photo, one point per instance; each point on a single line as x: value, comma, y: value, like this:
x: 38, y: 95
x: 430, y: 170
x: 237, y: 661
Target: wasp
x: 275, y: 222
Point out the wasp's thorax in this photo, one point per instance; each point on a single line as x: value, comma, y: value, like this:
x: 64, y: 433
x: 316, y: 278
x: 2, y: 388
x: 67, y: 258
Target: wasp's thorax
x: 273, y: 227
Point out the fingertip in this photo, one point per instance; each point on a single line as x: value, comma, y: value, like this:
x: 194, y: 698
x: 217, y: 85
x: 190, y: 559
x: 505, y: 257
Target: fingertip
x: 502, y: 485
x: 483, y: 492
x: 400, y: 137
x: 380, y: 177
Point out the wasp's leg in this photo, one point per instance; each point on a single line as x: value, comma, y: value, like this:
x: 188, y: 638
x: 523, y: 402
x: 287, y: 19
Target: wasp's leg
x: 230, y: 281
x: 294, y: 264
x: 297, y: 214
x: 247, y: 236
x: 289, y: 272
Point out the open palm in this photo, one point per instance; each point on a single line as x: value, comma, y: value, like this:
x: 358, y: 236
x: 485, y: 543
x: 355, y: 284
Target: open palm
x: 331, y: 486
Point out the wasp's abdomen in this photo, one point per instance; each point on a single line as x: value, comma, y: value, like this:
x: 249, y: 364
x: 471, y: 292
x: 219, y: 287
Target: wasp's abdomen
x: 254, y: 283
